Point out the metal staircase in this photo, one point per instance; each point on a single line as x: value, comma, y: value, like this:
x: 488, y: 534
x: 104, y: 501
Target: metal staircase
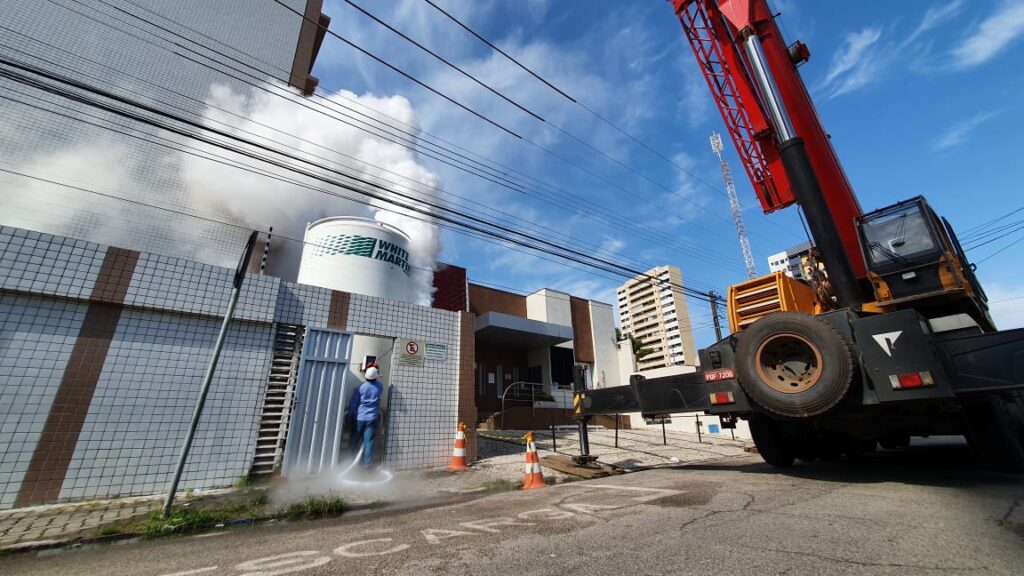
x: 277, y: 405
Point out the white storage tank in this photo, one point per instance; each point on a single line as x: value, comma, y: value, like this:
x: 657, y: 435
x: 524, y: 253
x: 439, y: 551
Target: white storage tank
x: 357, y: 255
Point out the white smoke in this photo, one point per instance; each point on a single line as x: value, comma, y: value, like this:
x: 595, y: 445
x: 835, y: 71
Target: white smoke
x: 148, y: 174
x: 303, y: 131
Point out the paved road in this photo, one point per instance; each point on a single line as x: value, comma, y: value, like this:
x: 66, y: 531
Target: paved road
x: 923, y: 511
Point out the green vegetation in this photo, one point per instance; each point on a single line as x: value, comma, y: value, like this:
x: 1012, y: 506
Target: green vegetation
x: 198, y: 517
x: 314, y: 507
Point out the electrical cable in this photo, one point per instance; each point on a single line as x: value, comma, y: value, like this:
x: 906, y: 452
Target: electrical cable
x: 592, y: 261
x: 695, y: 254
x: 594, y: 113
x: 559, y: 129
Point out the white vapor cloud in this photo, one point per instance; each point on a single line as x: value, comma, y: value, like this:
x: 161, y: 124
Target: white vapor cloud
x: 857, y: 63
x: 991, y: 36
x: 961, y: 131
x: 259, y: 201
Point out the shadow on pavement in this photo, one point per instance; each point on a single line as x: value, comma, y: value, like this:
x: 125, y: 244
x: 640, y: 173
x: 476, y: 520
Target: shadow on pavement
x: 927, y: 462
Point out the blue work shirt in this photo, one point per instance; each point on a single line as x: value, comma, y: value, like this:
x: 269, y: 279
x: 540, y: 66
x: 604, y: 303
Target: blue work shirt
x: 365, y: 402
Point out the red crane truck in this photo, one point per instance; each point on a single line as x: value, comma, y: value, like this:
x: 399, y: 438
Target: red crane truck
x: 889, y: 337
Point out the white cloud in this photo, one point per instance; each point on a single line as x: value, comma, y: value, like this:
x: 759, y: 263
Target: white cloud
x: 613, y: 244
x: 959, y: 132
x: 933, y: 18
x: 856, y: 64
x: 991, y: 36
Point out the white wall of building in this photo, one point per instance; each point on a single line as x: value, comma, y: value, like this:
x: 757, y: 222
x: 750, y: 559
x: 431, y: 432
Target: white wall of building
x: 547, y: 305
x: 606, y: 352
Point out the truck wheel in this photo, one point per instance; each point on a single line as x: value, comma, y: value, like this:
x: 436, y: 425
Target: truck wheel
x: 775, y: 448
x: 995, y: 430
x: 794, y: 364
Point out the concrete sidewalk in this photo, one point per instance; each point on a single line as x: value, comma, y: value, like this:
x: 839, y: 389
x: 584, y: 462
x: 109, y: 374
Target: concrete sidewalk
x: 499, y: 467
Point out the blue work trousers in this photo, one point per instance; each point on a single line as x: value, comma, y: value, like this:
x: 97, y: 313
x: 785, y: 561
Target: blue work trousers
x: 365, y: 430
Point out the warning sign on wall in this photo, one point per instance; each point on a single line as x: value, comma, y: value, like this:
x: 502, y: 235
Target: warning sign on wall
x: 411, y: 353
x: 436, y: 352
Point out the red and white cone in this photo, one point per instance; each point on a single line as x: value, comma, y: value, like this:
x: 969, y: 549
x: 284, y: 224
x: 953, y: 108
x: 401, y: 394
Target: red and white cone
x: 534, y: 478
x: 459, y: 453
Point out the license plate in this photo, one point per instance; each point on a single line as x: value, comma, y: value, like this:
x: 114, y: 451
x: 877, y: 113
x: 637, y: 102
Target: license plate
x: 716, y: 375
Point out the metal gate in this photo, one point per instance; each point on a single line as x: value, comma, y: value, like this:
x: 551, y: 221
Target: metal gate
x: 314, y: 436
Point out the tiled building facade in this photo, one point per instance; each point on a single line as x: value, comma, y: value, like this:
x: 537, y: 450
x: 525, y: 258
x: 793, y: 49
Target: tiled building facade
x: 102, y: 351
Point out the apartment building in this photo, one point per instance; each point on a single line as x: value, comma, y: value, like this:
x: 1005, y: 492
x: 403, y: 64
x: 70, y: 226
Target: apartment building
x: 653, y: 309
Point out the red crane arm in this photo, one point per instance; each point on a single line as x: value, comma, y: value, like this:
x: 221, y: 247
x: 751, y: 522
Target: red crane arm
x: 715, y: 30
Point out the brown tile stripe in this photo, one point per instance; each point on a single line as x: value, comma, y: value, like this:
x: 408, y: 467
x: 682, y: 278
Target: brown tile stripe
x: 337, y: 314
x: 582, y: 337
x: 52, y: 456
x: 467, y: 381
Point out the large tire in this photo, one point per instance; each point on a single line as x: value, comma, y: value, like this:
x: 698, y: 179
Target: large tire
x: 995, y: 430
x: 794, y: 364
x: 775, y: 448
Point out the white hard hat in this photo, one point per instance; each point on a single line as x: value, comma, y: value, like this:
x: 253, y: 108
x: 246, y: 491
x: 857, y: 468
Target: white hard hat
x: 372, y: 372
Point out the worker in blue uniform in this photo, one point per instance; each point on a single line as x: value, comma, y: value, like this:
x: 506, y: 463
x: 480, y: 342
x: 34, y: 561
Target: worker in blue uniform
x: 363, y: 413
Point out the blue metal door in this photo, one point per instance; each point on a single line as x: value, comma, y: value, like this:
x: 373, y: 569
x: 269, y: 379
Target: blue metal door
x: 314, y: 435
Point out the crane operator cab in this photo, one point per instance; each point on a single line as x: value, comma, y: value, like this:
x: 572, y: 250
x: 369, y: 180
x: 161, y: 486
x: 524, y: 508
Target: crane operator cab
x: 914, y: 259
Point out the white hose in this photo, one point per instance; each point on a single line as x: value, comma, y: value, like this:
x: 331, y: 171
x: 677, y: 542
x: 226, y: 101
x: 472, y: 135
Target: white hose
x: 387, y: 476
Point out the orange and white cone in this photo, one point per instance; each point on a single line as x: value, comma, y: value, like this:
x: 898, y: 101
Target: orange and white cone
x: 459, y: 453
x: 534, y: 478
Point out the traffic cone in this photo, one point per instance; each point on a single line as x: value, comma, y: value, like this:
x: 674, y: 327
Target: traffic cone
x: 533, y: 479
x: 459, y: 453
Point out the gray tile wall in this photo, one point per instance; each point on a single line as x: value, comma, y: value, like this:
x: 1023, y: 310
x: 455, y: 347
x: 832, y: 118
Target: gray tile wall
x: 424, y: 403
x: 36, y: 337
x: 144, y: 400
x: 148, y: 386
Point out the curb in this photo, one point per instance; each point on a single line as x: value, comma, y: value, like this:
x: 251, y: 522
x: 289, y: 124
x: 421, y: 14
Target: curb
x: 76, y: 542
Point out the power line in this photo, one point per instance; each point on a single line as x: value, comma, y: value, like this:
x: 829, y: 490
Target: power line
x: 473, y: 223
x: 554, y: 126
x: 106, y: 79
x: 398, y: 70
x: 447, y: 62
x: 702, y: 254
x: 218, y: 221
x: 594, y: 113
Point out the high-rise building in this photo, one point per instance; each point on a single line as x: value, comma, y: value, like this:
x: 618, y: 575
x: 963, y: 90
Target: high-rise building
x: 652, y: 309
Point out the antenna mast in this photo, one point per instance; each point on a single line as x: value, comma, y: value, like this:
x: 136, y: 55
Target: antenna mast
x: 734, y: 204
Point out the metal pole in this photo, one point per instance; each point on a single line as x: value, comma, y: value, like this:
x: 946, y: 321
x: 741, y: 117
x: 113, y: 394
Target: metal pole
x: 664, y: 438
x: 698, y: 429
x: 554, y: 443
x: 732, y: 433
x: 714, y: 315
x: 210, y: 369
x: 616, y: 430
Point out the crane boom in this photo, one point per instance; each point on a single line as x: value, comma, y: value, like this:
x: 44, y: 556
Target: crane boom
x: 769, y: 115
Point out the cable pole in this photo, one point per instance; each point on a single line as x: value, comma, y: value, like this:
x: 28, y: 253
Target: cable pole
x: 734, y: 205
x: 714, y: 314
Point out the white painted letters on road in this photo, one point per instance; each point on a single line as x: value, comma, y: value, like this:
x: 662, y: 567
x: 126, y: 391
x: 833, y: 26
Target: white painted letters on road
x: 435, y: 535
x: 283, y: 563
x: 489, y: 524
x: 349, y: 549
x: 546, y: 514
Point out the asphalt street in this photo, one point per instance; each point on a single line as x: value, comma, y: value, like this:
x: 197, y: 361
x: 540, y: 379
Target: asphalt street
x: 925, y: 510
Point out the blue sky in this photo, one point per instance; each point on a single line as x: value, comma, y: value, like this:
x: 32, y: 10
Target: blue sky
x: 920, y: 98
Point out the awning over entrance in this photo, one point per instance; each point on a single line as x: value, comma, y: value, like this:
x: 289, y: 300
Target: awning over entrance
x: 512, y: 331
